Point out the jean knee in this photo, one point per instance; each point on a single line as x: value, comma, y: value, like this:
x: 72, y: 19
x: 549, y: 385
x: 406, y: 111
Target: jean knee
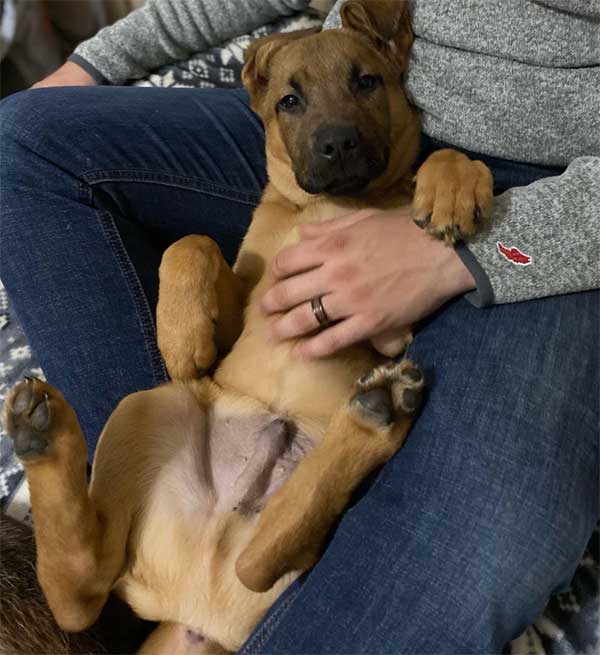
x: 515, y: 567
x: 18, y: 116
x: 24, y: 118
x: 29, y: 115
x: 31, y: 122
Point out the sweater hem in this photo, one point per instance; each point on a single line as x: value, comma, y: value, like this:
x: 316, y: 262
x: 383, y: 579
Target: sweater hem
x: 483, y: 295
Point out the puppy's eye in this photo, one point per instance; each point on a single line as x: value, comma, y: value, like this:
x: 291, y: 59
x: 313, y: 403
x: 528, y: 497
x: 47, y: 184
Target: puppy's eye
x: 289, y: 102
x: 368, y: 82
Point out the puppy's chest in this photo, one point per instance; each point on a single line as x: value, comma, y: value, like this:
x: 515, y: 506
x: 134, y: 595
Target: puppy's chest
x: 308, y: 391
x: 319, y: 212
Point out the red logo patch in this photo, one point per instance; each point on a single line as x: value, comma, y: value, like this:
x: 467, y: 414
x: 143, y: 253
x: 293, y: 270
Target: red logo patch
x: 514, y: 255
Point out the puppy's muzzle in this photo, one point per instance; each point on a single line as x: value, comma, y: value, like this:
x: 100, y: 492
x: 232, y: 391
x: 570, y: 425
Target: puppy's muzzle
x: 337, y: 144
x: 342, y: 162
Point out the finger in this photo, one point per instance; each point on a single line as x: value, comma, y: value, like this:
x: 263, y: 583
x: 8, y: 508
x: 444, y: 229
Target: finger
x: 294, y: 290
x: 313, y: 230
x: 392, y: 343
x: 335, y: 338
x: 295, y: 259
x: 301, y: 320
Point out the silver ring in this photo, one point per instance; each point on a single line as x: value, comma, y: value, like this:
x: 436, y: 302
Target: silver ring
x: 319, y: 311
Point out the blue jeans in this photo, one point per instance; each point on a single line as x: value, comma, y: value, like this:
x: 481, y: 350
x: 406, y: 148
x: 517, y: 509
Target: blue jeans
x: 457, y: 543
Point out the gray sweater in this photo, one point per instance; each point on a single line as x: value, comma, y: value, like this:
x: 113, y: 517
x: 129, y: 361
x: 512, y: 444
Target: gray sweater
x: 517, y: 79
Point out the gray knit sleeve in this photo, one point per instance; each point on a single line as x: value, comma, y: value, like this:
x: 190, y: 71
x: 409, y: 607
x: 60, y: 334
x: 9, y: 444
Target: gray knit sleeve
x: 543, y: 239
x: 162, y: 31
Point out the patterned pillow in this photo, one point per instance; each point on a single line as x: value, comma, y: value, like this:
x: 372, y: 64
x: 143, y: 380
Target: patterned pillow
x: 222, y: 66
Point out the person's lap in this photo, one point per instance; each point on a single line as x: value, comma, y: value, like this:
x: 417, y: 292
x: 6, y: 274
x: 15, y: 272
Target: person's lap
x: 462, y: 536
x: 485, y: 512
x: 96, y: 183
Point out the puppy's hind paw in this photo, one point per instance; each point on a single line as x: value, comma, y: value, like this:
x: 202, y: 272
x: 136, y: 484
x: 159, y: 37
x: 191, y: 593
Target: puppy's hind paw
x: 29, y: 415
x: 388, y: 391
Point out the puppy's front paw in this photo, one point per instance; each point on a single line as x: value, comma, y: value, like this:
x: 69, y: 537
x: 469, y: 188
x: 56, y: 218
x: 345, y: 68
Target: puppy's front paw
x: 453, y: 195
x: 188, y: 350
x: 29, y: 414
x: 389, y: 390
x: 188, y: 306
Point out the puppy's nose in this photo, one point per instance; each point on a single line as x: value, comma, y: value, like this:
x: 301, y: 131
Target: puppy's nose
x: 336, y: 142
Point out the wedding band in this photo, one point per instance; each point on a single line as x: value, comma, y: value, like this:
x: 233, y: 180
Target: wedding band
x: 319, y: 311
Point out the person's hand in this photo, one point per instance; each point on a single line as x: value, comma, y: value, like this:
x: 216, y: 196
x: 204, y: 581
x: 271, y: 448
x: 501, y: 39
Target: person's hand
x: 376, y: 271
x: 69, y: 74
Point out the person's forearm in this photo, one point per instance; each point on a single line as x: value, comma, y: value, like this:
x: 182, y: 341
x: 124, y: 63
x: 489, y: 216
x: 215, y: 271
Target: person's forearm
x: 162, y: 31
x: 543, y: 239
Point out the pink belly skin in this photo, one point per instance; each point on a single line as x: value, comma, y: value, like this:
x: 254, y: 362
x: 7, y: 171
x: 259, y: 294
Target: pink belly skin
x: 250, y: 458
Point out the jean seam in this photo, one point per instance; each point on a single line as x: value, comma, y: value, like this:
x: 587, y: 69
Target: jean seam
x: 137, y: 294
x: 188, y: 183
x: 140, y: 302
x: 263, y: 633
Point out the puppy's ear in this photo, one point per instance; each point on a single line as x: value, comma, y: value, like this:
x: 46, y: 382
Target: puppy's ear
x: 386, y: 23
x: 258, y: 57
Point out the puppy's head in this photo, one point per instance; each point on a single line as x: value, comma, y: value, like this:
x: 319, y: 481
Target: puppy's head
x: 336, y: 117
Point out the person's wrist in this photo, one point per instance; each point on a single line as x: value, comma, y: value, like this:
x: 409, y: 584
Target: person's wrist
x: 455, y: 277
x: 69, y: 74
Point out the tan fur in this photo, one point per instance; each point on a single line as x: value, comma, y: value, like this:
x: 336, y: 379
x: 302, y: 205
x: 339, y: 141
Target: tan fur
x: 147, y: 527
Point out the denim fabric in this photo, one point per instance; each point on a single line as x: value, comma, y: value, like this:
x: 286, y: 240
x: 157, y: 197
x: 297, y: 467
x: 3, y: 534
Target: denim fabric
x: 455, y: 546
x: 94, y: 184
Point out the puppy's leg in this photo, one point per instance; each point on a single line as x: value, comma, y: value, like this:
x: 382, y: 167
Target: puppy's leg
x: 177, y: 639
x: 200, y: 306
x: 80, y: 550
x: 453, y: 195
x: 364, y: 434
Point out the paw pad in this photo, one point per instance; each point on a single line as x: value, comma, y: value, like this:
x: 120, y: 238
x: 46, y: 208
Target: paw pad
x: 388, y: 390
x: 27, y: 416
x: 411, y: 400
x: 378, y: 403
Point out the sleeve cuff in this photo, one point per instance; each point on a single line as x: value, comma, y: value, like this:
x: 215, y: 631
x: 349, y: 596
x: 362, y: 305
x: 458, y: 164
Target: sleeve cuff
x: 483, y: 295
x: 88, y: 68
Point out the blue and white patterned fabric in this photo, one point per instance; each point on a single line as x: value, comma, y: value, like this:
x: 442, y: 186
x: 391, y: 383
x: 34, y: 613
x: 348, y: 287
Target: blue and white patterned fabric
x: 16, y: 361
x: 222, y: 66
x: 570, y: 624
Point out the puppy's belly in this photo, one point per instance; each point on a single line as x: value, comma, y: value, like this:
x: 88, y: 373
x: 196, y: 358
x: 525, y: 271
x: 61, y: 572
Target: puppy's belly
x: 250, y: 458
x: 189, y: 534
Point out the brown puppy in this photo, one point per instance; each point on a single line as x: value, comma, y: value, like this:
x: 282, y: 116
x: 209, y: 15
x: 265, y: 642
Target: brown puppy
x: 208, y: 497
